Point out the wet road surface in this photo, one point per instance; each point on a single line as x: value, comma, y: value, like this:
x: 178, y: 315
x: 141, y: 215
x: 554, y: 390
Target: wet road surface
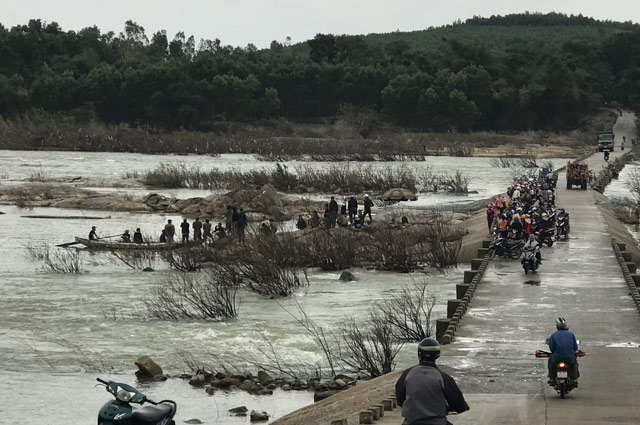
x: 512, y: 314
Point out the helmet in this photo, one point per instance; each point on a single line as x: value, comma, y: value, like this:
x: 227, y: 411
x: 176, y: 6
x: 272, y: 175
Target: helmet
x: 428, y: 350
x: 93, y: 227
x: 561, y: 323
x: 345, y: 197
x: 532, y: 236
x: 366, y: 196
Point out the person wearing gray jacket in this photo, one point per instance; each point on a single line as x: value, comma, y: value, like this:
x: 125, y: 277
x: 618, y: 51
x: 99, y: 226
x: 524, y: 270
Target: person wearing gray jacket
x: 427, y: 394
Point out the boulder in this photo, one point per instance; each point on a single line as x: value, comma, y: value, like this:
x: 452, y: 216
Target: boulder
x: 225, y: 383
x: 147, y: 368
x: 321, y: 395
x: 198, y: 380
x: 239, y: 411
x: 347, y: 276
x: 210, y: 390
x: 250, y: 387
x: 264, y: 378
x: 157, y: 202
x: 193, y: 421
x: 258, y: 416
x: 340, y: 383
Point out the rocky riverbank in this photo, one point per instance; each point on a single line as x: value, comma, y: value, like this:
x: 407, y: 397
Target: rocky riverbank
x: 257, y: 202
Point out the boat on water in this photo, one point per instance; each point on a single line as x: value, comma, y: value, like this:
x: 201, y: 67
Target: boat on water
x: 109, y: 245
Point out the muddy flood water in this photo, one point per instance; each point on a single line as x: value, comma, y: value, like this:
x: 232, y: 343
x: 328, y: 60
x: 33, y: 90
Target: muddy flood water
x: 58, y: 332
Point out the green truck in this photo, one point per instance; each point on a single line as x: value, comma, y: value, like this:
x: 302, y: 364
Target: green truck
x: 606, y: 141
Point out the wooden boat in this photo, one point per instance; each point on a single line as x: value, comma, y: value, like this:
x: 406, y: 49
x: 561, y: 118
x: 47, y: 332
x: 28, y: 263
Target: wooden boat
x: 110, y: 245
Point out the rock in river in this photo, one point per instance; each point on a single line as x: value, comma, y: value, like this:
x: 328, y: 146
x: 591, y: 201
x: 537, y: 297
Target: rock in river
x: 259, y: 416
x: 347, y: 276
x: 147, y: 368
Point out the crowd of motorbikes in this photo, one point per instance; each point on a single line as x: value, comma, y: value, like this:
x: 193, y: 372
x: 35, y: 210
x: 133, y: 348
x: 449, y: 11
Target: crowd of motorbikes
x: 526, y: 218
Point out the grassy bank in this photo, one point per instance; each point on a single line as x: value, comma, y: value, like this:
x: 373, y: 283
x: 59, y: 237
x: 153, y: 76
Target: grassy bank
x: 271, y: 139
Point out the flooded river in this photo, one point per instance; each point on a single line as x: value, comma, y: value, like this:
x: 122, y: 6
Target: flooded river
x: 59, y: 332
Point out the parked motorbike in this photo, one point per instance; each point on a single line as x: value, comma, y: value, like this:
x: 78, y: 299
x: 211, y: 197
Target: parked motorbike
x: 530, y: 261
x: 120, y: 411
x: 563, y: 383
x: 547, y: 237
x: 562, y: 226
x: 505, y: 247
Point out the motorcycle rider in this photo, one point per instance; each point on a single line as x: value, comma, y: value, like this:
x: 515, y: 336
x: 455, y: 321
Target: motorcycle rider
x: 563, y: 346
x: 606, y: 155
x: 533, y: 244
x: 425, y: 393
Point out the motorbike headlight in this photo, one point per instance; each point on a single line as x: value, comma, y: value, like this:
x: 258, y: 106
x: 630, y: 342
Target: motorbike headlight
x: 124, y: 395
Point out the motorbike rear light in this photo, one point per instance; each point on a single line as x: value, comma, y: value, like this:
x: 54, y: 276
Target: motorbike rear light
x: 561, y: 365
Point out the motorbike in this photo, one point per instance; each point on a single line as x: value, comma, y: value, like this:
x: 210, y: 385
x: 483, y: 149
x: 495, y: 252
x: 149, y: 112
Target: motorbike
x: 505, y: 247
x: 562, y: 383
x: 547, y: 237
x: 562, y: 226
x: 120, y: 411
x: 530, y: 261
x: 606, y: 155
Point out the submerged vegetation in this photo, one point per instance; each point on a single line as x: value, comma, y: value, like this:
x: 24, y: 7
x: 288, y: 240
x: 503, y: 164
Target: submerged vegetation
x: 304, y: 178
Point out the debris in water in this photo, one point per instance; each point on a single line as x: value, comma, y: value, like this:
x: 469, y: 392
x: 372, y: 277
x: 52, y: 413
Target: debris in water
x: 532, y: 282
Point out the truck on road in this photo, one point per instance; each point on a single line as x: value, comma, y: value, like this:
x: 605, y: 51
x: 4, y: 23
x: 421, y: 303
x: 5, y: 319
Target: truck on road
x: 577, y: 174
x: 606, y: 141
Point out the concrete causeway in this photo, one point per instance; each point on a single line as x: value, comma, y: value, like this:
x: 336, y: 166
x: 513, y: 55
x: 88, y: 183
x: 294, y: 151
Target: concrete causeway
x: 511, y: 314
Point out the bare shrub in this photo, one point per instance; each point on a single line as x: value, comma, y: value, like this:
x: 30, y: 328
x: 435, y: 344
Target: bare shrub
x: 408, y: 311
x: 397, y: 248
x: 267, y: 269
x: 318, y: 334
x: 335, y: 249
x: 187, y: 296
x: 457, y: 184
x: 39, y: 176
x: 183, y: 259
x: 502, y: 162
x: 57, y: 261
x: 443, y: 242
x: 368, y: 347
x: 137, y: 259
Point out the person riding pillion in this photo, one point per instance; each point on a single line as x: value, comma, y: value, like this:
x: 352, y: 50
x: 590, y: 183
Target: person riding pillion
x: 425, y: 393
x: 563, y: 346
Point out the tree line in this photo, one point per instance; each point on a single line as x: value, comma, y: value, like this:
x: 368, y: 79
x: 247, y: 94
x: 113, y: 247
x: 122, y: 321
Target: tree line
x: 518, y: 72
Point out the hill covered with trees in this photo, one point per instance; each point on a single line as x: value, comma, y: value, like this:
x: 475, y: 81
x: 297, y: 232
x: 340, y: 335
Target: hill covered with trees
x: 517, y: 72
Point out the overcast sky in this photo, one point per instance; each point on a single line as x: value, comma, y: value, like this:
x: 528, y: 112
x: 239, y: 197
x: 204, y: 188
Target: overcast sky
x: 239, y: 22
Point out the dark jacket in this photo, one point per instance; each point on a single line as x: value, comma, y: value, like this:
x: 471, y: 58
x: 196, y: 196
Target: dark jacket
x: 333, y: 205
x: 353, y: 204
x: 427, y: 394
x: 368, y: 203
x: 563, y: 344
x: 185, y: 227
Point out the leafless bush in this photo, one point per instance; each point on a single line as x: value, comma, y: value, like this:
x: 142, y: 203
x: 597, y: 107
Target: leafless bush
x: 342, y: 157
x: 408, y: 311
x: 137, y: 259
x: 39, y: 176
x: 187, y: 296
x: 318, y: 334
x: 443, y: 242
x: 461, y: 150
x: 397, y: 247
x: 502, y: 162
x: 335, y: 249
x: 527, y: 162
x: 368, y: 347
x: 268, y: 265
x: 457, y: 184
x: 57, y: 261
x: 184, y: 259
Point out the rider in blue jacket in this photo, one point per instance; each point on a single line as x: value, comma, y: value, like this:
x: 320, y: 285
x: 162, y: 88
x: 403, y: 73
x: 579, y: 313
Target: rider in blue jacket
x: 563, y: 346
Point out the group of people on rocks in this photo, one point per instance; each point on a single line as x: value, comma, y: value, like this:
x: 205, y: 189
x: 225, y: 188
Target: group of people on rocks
x: 349, y: 213
x: 345, y: 215
x: 527, y: 208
